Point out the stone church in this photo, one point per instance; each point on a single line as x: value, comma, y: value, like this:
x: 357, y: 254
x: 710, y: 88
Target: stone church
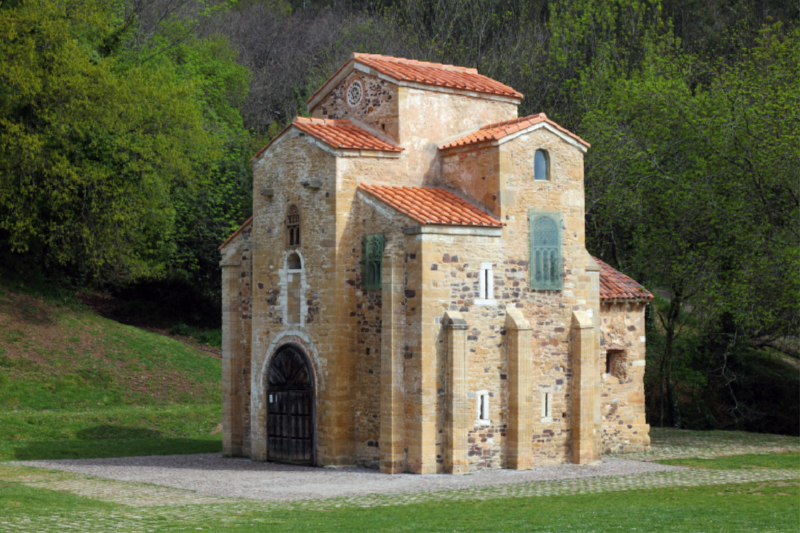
x: 413, y: 292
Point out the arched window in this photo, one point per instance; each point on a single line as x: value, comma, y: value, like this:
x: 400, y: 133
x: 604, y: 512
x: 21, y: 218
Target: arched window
x: 293, y: 262
x: 541, y: 166
x: 293, y: 226
x: 546, y: 258
x: 371, y: 261
x: 294, y: 292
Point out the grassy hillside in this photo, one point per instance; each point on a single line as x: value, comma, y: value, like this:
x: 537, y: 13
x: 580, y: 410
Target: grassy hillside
x: 74, y: 384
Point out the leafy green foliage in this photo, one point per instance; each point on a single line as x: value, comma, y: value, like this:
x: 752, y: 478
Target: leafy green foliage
x: 692, y: 188
x: 221, y: 197
x: 92, y: 148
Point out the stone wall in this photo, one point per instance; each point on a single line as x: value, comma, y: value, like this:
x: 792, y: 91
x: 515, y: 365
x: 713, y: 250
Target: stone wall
x: 293, y: 159
x: 429, y: 119
x: 399, y: 422
x: 377, y: 109
x: 622, y: 399
x: 369, y: 217
x: 236, y: 326
x: 474, y: 174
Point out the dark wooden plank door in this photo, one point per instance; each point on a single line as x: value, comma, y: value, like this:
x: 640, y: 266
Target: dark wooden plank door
x: 290, y: 409
x: 290, y: 427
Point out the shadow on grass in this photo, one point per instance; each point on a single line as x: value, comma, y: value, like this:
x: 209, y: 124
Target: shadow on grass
x: 107, y: 431
x: 108, y: 447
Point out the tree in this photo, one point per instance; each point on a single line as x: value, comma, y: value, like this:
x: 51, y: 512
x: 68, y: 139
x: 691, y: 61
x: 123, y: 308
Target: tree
x: 693, y: 170
x: 92, y: 147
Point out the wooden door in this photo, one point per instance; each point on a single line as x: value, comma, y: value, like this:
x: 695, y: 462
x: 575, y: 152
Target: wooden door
x: 290, y: 409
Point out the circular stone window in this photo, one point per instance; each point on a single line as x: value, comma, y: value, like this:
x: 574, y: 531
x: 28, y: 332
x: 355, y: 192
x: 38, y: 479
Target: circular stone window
x: 355, y: 93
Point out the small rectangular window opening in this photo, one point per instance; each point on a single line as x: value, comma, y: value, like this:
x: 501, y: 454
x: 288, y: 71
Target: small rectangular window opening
x: 547, y: 405
x: 486, y: 288
x: 483, y: 407
x: 615, y: 364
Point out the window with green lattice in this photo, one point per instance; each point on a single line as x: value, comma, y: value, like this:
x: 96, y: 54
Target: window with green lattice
x: 547, y: 262
x: 371, y: 261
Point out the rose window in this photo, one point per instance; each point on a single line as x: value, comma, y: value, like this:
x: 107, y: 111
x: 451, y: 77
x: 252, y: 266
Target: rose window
x: 354, y: 93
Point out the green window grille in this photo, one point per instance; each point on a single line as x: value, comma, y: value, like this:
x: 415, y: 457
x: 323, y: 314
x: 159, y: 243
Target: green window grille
x: 371, y: 261
x: 547, y: 260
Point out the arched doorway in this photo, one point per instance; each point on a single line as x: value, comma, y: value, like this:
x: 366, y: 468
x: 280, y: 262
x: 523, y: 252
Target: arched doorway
x: 290, y: 408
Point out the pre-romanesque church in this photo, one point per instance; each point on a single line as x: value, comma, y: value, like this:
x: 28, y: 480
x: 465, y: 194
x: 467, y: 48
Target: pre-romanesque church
x: 413, y: 292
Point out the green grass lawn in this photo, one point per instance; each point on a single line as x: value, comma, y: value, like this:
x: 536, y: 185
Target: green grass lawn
x: 738, y: 462
x: 767, y: 506
x: 110, y: 432
x: 76, y: 385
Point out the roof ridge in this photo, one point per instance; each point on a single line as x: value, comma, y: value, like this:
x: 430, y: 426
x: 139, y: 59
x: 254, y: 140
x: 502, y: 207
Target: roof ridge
x: 235, y: 233
x: 513, y: 121
x: 413, y: 71
x: 498, y: 130
x: 393, y: 59
x: 338, y: 133
x: 322, y: 121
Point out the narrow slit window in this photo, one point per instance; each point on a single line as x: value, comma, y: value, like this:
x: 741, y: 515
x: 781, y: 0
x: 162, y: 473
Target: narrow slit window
x: 371, y: 261
x: 294, y: 280
x: 486, y: 285
x: 483, y: 407
x: 547, y: 405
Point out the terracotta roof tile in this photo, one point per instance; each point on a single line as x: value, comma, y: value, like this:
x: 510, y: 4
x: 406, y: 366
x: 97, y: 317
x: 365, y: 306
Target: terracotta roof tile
x: 614, y: 285
x: 429, y: 205
x: 235, y: 233
x: 338, y: 134
x: 494, y: 132
x: 435, y: 74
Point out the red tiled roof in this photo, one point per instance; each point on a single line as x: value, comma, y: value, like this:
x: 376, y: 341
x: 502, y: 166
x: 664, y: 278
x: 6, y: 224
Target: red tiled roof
x: 235, y: 233
x: 494, y: 132
x: 436, y: 74
x: 614, y: 285
x: 339, y: 134
x: 429, y: 205
x: 343, y: 134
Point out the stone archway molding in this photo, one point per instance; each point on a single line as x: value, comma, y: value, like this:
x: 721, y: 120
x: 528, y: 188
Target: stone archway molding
x: 258, y: 406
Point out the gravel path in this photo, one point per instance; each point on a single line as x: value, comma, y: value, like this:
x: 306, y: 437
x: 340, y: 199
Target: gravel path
x: 213, y: 475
